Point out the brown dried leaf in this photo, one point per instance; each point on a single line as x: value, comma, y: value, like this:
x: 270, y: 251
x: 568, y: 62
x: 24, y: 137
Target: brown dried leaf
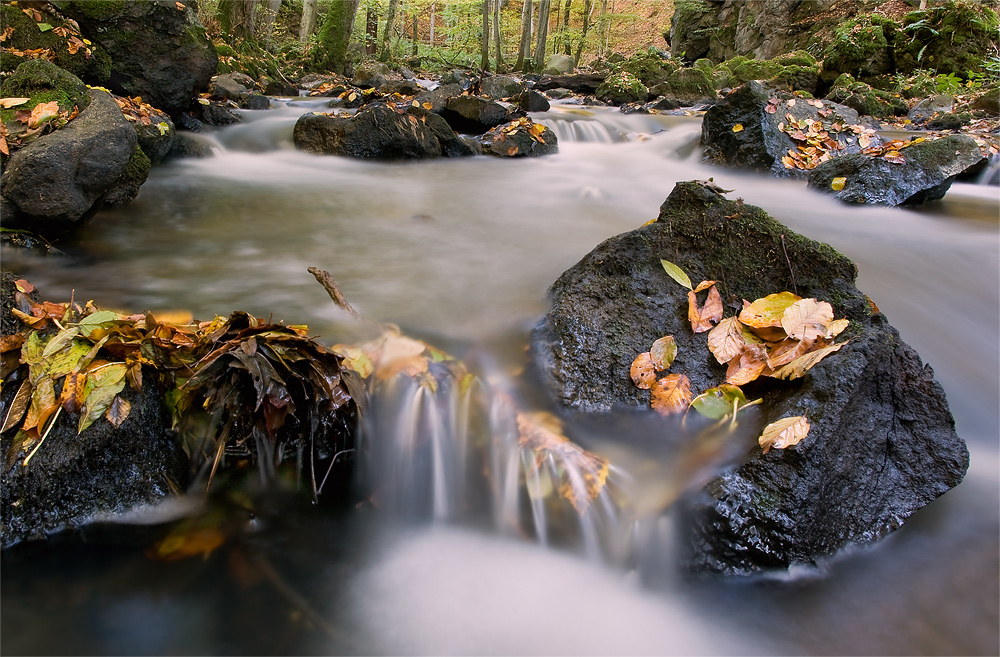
x: 663, y: 352
x: 643, y: 371
x: 702, y: 317
x: 807, y: 319
x: 671, y: 394
x: 18, y: 407
x: 746, y: 368
x: 784, y: 352
x: 726, y: 341
x: 118, y: 411
x: 798, y: 367
x: 784, y: 433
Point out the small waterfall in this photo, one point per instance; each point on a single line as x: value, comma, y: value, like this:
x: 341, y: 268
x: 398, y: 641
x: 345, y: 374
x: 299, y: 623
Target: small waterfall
x: 591, y: 131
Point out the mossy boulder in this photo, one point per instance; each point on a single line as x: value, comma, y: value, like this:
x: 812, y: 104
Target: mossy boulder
x: 687, y: 86
x: 649, y: 65
x: 621, y: 88
x: 88, y: 62
x: 40, y: 82
x: 953, y: 37
x: 797, y: 78
x: 882, y: 442
x: 861, y: 47
x: 925, y: 174
x: 159, y: 50
x: 135, y: 174
x: 692, y: 29
x: 866, y: 99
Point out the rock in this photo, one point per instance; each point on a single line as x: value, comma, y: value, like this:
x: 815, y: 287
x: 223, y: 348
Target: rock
x: 951, y: 37
x: 759, y: 145
x: 621, y: 88
x: 860, y: 47
x: 255, y: 101
x: 214, y: 113
x: 187, y: 144
x: 558, y: 93
x: 988, y: 101
x: 949, y: 121
x: 58, y: 181
x: 691, y: 29
x: 501, y: 86
x: 865, y: 99
x: 157, y: 138
x: 377, y: 131
x: 438, y: 98
x: 457, y: 76
x: 473, y: 115
x: 882, y: 443
x: 158, y: 49
x: 562, y: 64
x: 581, y: 83
x: 521, y: 138
x: 926, y: 173
x: 371, y: 75
x: 531, y: 101
x: 127, y: 187
x: 927, y: 108
x: 277, y: 87
x: 231, y: 86
x: 687, y: 86
x: 401, y: 87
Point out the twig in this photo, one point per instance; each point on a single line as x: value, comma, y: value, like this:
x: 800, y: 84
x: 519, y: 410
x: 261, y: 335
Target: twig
x: 789, y: 261
x: 330, y: 285
x: 52, y: 423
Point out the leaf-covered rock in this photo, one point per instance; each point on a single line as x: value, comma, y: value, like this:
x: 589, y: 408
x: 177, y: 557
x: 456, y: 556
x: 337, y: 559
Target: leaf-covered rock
x: 882, y: 442
x: 521, y: 138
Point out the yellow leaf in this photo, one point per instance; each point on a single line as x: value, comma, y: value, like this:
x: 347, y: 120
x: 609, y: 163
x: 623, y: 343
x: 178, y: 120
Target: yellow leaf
x: 738, y: 127
x: 784, y: 433
x: 798, y: 367
x: 837, y: 327
x: 807, y: 319
x: 671, y: 394
x: 767, y: 311
x: 784, y: 352
x: 7, y: 103
x: 355, y: 359
x: 726, y: 341
x: 676, y: 273
x: 643, y: 372
x: 663, y: 352
x: 837, y: 184
x: 427, y: 106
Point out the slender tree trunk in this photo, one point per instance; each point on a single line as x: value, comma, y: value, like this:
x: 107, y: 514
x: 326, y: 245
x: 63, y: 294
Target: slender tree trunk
x: 567, y: 46
x: 308, y: 22
x: 524, y: 49
x: 484, y: 43
x: 267, y: 28
x: 587, y: 6
x: 371, y: 29
x: 603, y: 23
x: 335, y: 34
x: 544, y: 9
x: 390, y: 17
x: 414, y: 53
x: 432, y: 26
x: 496, y: 34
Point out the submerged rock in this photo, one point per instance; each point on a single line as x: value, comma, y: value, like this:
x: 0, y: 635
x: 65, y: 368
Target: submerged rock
x: 882, y: 443
x: 925, y: 174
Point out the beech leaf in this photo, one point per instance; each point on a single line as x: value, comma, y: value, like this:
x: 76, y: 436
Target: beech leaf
x: 716, y: 403
x: 671, y: 394
x: 676, y: 273
x: 784, y: 433
x: 745, y: 368
x: 663, y: 352
x: 118, y: 411
x: 702, y: 317
x: 784, y: 352
x: 643, y: 371
x: 726, y: 341
x: 798, y: 367
x: 18, y: 407
x: 42, y: 113
x: 767, y: 312
x: 837, y: 327
x: 7, y: 103
x: 807, y: 319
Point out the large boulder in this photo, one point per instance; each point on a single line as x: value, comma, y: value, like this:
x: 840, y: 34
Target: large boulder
x: 501, y: 86
x: 559, y: 64
x: 686, y: 87
x: 60, y: 179
x: 23, y: 33
x: 581, y: 83
x: 379, y: 131
x: 882, y: 442
x: 158, y: 48
x: 520, y: 138
x: 915, y: 174
x: 750, y: 129
x: 473, y: 115
x: 438, y: 98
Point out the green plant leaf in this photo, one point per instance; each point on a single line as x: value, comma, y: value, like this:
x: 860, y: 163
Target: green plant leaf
x: 716, y: 403
x: 676, y: 273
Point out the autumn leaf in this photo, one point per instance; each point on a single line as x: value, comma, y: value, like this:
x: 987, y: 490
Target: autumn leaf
x: 837, y: 327
x: 716, y: 403
x: 738, y: 127
x: 7, y: 103
x: 807, y: 319
x: 671, y: 394
x: 745, y: 368
x: 18, y: 407
x: 784, y: 352
x: 107, y: 381
x: 702, y: 317
x: 798, y: 367
x: 767, y: 312
x: 118, y: 412
x: 663, y: 352
x: 784, y: 433
x: 643, y: 371
x: 838, y: 183
x: 676, y: 273
x: 725, y: 341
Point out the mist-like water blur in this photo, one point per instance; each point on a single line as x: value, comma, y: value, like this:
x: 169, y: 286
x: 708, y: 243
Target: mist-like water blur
x: 461, y: 252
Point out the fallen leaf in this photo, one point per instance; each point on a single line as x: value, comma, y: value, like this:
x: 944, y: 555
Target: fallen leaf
x: 43, y: 112
x: 643, y: 372
x: 745, y: 368
x: 837, y: 327
x: 791, y: 102
x: 676, y: 273
x: 663, y: 352
x: 18, y: 407
x: 512, y: 151
x: 716, y: 403
x: 703, y: 317
x: 7, y: 103
x: 807, y: 319
x: 798, y: 367
x: 784, y: 433
x: 838, y: 183
x: 725, y: 341
x: 784, y: 352
x: 738, y: 127
x: 767, y: 311
x: 671, y: 394
x: 118, y: 411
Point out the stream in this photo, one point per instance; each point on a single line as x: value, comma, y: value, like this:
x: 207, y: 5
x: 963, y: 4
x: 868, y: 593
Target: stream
x: 460, y: 253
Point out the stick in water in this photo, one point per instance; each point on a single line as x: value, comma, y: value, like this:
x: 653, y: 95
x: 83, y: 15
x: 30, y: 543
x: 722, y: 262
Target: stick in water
x: 331, y: 288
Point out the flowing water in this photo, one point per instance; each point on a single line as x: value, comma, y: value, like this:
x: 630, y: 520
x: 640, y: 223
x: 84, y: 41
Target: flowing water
x: 460, y: 253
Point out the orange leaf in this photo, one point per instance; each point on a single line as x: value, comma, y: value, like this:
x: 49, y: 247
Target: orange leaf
x: 768, y: 310
x: 798, y: 367
x: 663, y: 352
x: 512, y: 151
x: 671, y: 394
x: 744, y: 369
x: 643, y: 372
x: 726, y: 340
x: 785, y: 352
x: 784, y: 433
x: 703, y: 317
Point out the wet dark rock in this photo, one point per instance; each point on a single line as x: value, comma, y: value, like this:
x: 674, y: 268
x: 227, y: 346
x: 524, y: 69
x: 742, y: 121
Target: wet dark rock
x: 58, y: 181
x: 278, y: 88
x: 531, y: 101
x: 401, y: 87
x: 158, y: 49
x: 457, y: 76
x: 378, y: 131
x: 187, y: 144
x: 157, y: 138
x: 988, y: 102
x: 214, y: 113
x: 439, y: 97
x: 501, y: 86
x: 949, y: 121
x: 231, y: 86
x: 633, y: 108
x: 255, y: 101
x: 519, y: 139
x: 581, y: 83
x: 882, y: 443
x: 928, y: 108
x: 127, y: 187
x: 927, y: 172
x: 473, y: 115
x: 760, y: 145
x: 558, y: 93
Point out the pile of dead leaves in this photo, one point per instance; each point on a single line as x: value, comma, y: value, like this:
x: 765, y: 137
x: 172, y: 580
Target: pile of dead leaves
x: 32, y: 124
x: 264, y: 391
x: 780, y: 336
x: 138, y: 111
x: 818, y: 140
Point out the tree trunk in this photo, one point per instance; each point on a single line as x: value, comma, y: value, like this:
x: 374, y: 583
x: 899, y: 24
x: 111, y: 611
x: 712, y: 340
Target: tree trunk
x: 524, y: 49
x: 390, y: 17
x: 414, y: 53
x: 567, y: 46
x: 432, y: 26
x: 587, y: 7
x: 496, y: 34
x: 371, y: 29
x: 543, y: 33
x: 308, y: 22
x: 236, y: 17
x: 335, y: 34
x: 603, y: 22
x: 484, y: 43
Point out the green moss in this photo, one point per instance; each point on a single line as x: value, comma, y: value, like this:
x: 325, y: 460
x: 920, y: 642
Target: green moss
x: 797, y: 58
x: 99, y: 9
x: 797, y: 78
x: 954, y: 37
x: 224, y: 50
x: 135, y: 174
x: 859, y: 47
x: 865, y: 99
x: 622, y: 87
x: 24, y: 34
x: 755, y: 69
x: 648, y: 66
x: 691, y: 83
x: 43, y: 82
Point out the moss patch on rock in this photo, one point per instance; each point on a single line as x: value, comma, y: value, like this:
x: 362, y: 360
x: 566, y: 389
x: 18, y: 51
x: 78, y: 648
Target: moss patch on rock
x: 622, y: 87
x: 954, y: 37
x: 43, y: 82
x: 24, y: 35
